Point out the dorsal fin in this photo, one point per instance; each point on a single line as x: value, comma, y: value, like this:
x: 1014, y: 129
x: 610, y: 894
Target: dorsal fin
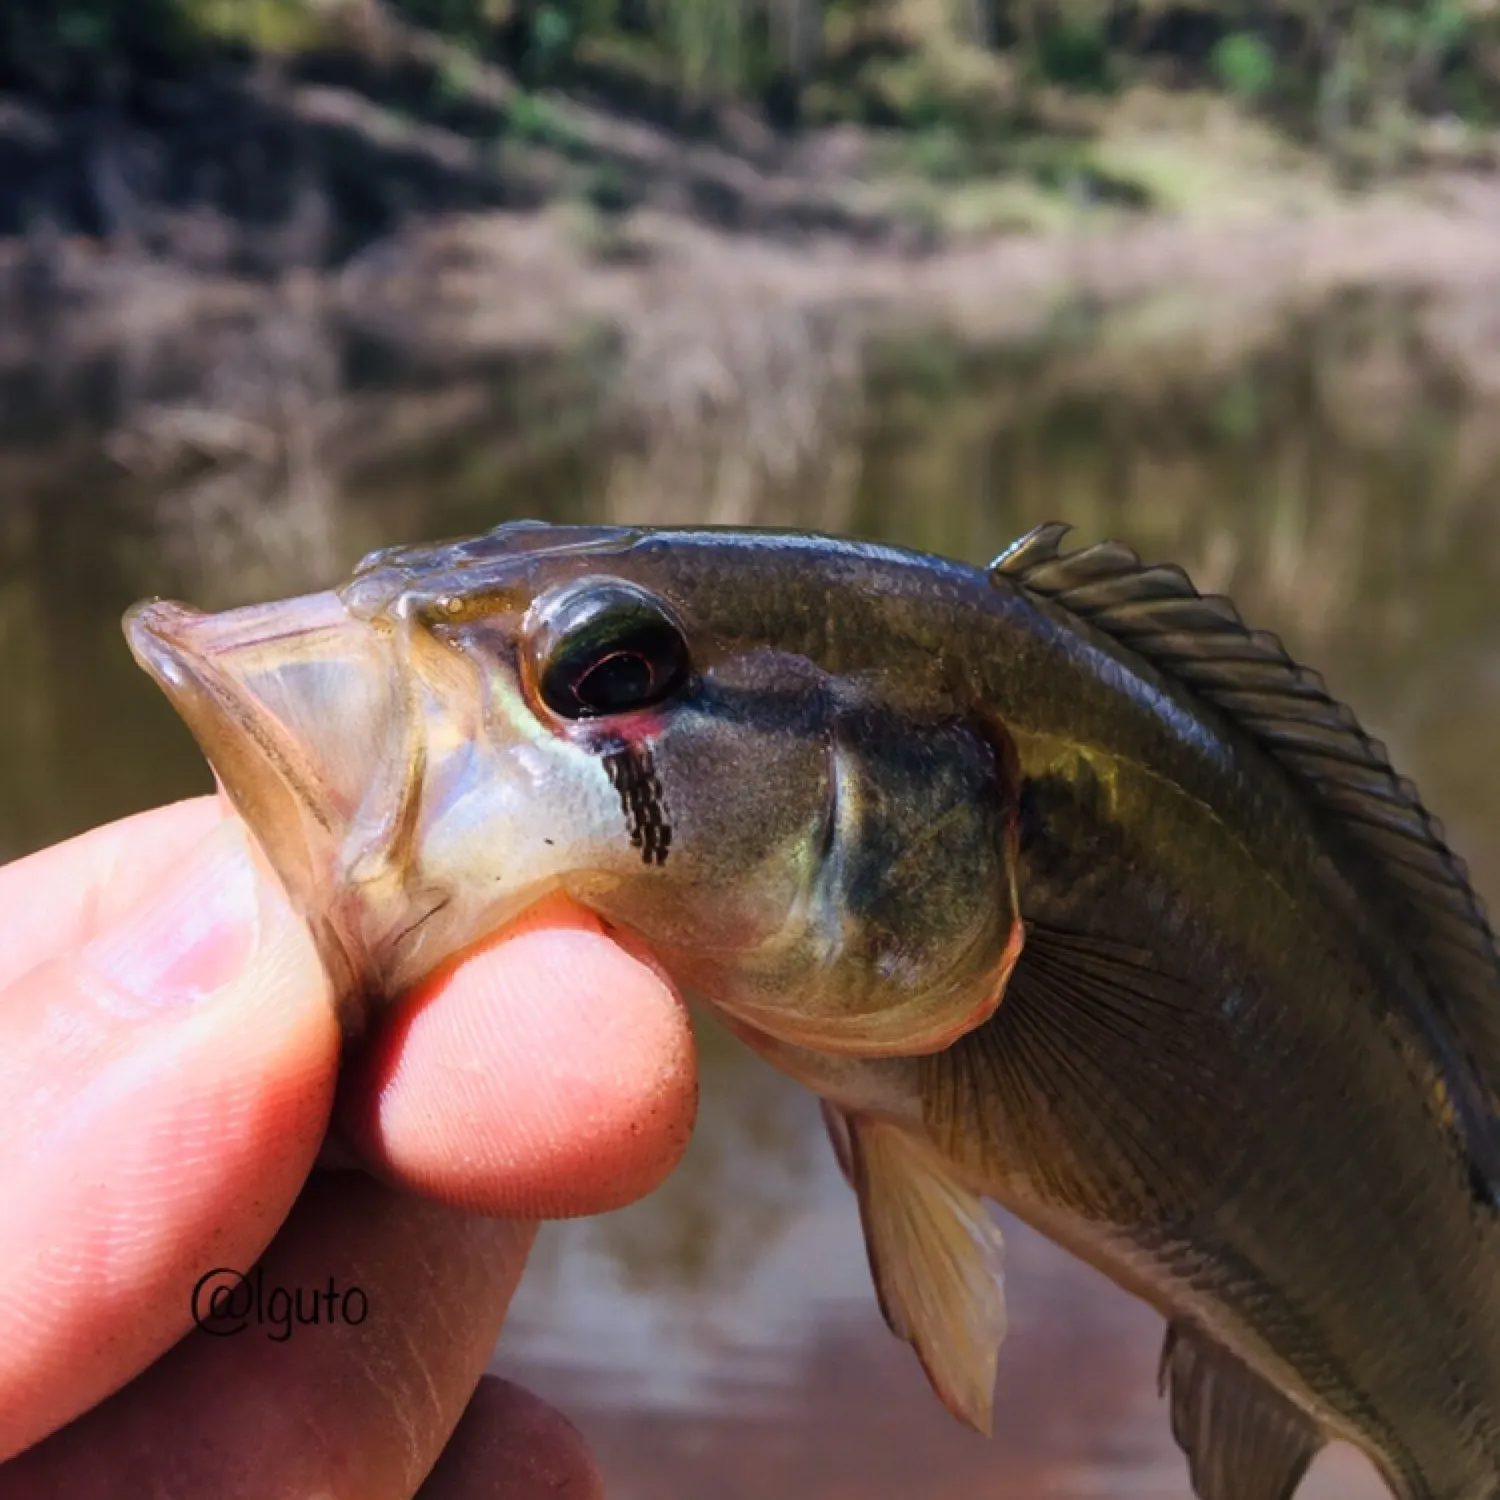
x: 1247, y: 675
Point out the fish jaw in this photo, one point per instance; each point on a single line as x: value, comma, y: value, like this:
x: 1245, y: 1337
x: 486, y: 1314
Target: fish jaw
x: 298, y: 709
x: 400, y: 788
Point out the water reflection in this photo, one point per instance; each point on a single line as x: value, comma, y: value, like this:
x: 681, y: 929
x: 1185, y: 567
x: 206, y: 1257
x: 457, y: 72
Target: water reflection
x: 721, y: 1338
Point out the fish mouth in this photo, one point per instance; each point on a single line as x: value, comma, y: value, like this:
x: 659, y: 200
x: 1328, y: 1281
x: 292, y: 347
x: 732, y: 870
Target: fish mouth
x: 294, y: 705
x: 193, y: 657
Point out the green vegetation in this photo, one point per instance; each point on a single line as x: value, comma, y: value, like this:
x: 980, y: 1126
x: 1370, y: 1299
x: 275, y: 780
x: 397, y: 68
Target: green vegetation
x: 1374, y: 82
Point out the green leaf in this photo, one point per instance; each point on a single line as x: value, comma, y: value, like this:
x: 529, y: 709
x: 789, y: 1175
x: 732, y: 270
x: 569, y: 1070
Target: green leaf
x: 1245, y: 65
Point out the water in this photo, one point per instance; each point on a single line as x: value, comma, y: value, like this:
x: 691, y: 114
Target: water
x: 722, y: 1337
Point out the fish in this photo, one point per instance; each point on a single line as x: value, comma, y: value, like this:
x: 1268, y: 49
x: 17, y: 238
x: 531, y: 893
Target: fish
x: 1060, y: 886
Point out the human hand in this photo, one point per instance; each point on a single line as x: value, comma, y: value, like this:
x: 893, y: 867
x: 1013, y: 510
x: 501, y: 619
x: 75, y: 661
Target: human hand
x: 168, y: 1065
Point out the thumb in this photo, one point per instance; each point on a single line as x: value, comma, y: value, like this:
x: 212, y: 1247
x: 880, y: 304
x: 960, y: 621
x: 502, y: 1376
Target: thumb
x: 165, y: 1088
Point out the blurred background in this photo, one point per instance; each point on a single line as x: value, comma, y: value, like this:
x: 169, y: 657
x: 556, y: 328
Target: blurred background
x: 285, y: 280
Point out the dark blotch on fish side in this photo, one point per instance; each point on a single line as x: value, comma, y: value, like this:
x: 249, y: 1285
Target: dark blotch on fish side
x: 1031, y: 824
x: 909, y: 776
x: 1058, y: 823
x: 1480, y: 1186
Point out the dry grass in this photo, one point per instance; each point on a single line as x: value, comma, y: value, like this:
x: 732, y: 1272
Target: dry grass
x: 724, y: 375
x: 240, y: 473
x: 734, y: 404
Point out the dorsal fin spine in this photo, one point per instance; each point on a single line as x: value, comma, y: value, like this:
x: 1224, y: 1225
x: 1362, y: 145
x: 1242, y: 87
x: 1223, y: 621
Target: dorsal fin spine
x: 1201, y: 642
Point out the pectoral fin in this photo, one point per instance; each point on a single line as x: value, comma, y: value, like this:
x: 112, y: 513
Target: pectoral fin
x: 936, y: 1258
x: 1106, y: 1083
x: 836, y: 1122
x: 1243, y: 1440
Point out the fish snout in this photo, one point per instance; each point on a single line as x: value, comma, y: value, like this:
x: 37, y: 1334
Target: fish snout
x: 297, y: 706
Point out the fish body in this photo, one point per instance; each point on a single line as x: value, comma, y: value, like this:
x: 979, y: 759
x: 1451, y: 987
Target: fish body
x: 1058, y: 885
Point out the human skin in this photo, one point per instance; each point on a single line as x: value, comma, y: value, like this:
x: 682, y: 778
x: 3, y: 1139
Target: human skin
x: 172, y: 1070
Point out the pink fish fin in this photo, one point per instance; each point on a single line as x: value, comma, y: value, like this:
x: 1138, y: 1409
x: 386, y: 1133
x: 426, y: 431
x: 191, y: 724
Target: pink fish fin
x: 937, y: 1262
x: 1243, y: 1439
x: 836, y: 1123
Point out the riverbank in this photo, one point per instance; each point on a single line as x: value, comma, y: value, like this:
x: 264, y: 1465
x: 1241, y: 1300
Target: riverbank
x: 103, y: 330
x: 293, y: 268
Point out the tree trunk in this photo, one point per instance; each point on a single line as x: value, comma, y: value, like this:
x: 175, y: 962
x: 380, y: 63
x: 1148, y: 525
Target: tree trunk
x: 796, y: 44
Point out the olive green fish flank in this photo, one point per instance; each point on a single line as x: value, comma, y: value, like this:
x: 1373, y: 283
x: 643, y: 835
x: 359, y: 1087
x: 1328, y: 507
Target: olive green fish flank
x: 1248, y: 675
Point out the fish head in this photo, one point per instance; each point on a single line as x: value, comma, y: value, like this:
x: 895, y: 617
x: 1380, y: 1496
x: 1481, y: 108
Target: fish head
x: 660, y: 732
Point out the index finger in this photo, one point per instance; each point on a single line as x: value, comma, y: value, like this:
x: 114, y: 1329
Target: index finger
x: 55, y: 900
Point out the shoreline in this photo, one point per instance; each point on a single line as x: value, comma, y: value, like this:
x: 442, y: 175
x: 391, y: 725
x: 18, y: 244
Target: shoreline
x: 97, y: 331
x: 628, y: 284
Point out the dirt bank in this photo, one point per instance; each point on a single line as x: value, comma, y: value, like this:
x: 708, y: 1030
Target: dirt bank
x: 99, y: 330
x: 234, y: 267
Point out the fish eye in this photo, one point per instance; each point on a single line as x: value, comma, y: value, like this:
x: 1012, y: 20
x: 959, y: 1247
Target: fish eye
x: 607, y: 648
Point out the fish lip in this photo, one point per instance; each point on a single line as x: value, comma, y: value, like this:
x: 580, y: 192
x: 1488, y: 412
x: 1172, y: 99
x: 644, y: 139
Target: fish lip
x: 185, y: 675
x: 206, y: 696
x: 191, y: 655
x: 151, y: 643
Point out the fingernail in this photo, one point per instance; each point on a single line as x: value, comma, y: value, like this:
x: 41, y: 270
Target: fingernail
x: 193, y: 937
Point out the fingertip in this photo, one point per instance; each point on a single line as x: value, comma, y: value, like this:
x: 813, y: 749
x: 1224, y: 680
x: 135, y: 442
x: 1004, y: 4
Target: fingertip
x: 510, y: 1445
x: 345, y: 1394
x: 548, y: 1074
